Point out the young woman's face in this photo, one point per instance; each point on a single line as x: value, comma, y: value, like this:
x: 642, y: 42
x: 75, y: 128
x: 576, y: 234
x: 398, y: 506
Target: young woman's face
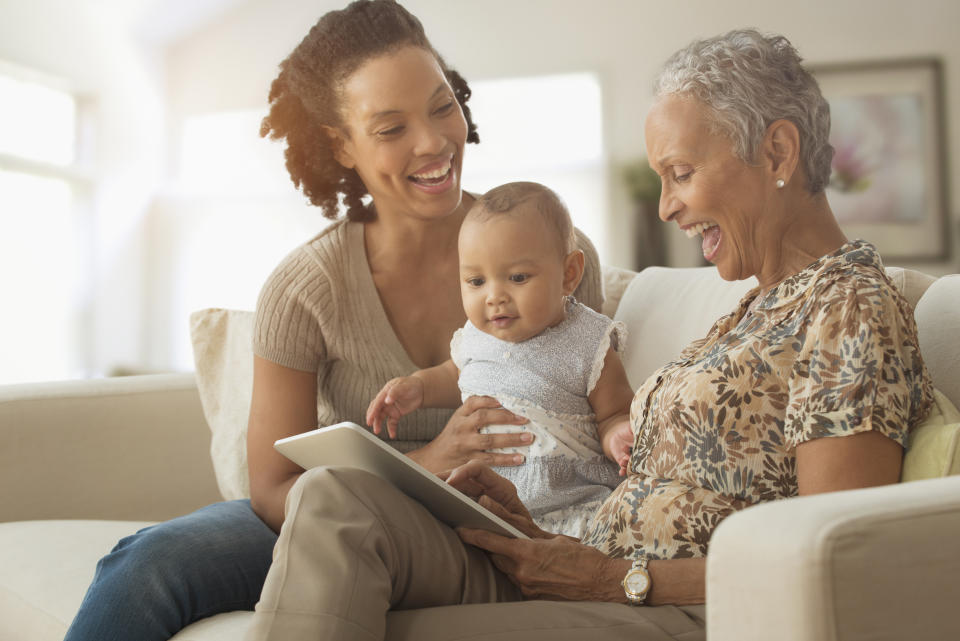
x: 513, y: 278
x: 405, y: 134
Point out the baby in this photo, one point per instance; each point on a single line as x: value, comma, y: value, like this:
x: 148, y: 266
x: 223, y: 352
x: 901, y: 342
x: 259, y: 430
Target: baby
x: 535, y: 349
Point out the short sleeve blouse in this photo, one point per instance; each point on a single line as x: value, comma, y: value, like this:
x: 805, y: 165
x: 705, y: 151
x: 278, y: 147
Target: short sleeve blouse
x: 829, y: 352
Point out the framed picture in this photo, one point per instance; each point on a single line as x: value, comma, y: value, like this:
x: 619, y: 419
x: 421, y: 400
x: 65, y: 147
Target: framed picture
x: 888, y: 184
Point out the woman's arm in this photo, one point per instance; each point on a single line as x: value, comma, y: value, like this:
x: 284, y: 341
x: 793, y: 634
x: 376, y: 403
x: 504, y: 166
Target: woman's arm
x: 284, y: 403
x: 858, y: 387
x: 549, y: 566
x: 865, y: 459
x: 561, y: 568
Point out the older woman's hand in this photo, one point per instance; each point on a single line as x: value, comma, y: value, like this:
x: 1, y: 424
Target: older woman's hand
x: 559, y: 568
x: 497, y: 494
x: 547, y: 566
x: 461, y: 440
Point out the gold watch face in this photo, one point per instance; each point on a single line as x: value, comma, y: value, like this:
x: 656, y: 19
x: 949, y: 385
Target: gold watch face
x: 636, y: 582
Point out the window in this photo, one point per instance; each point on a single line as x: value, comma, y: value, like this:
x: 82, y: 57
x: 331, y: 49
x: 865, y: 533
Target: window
x: 230, y: 217
x: 222, y: 154
x: 44, y: 249
x: 547, y: 129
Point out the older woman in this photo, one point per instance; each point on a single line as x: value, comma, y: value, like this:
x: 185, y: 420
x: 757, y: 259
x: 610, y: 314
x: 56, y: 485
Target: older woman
x: 810, y: 385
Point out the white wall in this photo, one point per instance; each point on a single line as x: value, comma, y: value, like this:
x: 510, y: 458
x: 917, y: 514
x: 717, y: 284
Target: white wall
x: 231, y: 63
x: 144, y: 94
x: 92, y: 49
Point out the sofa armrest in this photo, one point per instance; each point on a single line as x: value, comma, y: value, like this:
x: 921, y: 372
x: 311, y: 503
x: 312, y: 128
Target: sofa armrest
x: 134, y: 448
x: 880, y: 563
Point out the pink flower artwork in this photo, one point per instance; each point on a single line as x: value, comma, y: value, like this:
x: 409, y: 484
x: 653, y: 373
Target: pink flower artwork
x: 878, y: 162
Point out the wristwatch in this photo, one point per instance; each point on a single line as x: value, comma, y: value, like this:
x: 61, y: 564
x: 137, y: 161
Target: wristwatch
x: 636, y: 584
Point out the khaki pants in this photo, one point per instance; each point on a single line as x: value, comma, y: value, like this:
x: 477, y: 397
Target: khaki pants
x: 358, y: 559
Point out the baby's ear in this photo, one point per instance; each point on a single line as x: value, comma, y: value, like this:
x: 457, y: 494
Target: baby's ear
x: 572, y: 271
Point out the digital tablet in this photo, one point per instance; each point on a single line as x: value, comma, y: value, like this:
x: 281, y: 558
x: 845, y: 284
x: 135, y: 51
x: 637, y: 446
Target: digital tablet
x: 349, y: 445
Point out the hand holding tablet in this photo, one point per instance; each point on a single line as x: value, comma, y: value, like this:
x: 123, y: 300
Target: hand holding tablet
x: 349, y: 445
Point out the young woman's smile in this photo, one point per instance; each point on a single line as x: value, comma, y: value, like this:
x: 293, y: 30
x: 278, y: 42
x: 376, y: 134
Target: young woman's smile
x: 436, y: 177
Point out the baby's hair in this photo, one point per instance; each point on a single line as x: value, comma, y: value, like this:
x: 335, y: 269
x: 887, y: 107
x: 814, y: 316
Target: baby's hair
x: 506, y: 198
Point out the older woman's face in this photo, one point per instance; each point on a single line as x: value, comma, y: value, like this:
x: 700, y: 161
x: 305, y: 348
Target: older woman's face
x: 707, y: 190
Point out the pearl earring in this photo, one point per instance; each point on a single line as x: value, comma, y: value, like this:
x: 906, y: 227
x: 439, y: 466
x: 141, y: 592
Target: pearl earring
x: 780, y: 183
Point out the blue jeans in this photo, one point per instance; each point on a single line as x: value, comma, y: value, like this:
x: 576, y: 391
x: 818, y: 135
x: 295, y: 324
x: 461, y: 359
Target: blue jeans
x: 166, y: 576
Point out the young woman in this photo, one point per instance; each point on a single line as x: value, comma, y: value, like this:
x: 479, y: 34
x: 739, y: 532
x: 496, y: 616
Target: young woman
x: 372, y: 118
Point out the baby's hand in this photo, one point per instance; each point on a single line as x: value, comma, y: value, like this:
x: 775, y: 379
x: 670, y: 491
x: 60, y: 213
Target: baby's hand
x: 399, y: 397
x: 618, y: 445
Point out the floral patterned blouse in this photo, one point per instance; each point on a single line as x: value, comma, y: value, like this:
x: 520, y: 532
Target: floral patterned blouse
x: 831, y: 351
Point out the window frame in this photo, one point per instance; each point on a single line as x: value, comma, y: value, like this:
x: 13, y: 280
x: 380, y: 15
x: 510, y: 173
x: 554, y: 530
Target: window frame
x: 80, y: 178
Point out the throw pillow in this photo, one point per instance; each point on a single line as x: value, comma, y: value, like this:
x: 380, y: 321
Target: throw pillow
x: 223, y: 356
x: 933, y: 449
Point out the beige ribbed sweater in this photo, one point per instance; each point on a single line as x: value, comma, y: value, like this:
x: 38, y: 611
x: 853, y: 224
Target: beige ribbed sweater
x: 320, y: 312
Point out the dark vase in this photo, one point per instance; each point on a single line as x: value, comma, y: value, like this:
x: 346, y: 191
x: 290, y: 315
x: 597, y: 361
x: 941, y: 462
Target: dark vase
x: 651, y: 247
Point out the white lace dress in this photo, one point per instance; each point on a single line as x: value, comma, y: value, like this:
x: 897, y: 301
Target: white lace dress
x: 547, y: 379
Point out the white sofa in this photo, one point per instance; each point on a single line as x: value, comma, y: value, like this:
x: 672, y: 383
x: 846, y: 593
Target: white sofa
x: 882, y: 563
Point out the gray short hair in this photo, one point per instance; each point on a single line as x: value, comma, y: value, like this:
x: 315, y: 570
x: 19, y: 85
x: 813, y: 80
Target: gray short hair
x: 747, y: 80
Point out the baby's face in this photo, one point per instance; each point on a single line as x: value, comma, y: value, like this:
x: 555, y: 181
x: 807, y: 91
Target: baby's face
x: 511, y: 275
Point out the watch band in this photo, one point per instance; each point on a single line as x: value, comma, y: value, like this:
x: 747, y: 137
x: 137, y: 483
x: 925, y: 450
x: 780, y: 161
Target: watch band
x: 636, y: 583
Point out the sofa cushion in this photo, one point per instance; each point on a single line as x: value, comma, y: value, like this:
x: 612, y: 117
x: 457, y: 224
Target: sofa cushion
x: 32, y: 606
x: 35, y: 608
x: 665, y: 308
x: 229, y: 626
x: 938, y: 325
x: 911, y: 283
x: 615, y: 282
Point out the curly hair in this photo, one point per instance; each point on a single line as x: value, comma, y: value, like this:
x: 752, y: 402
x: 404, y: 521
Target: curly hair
x: 747, y: 80
x: 306, y: 94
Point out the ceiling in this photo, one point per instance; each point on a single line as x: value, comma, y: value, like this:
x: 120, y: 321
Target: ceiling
x: 162, y: 22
